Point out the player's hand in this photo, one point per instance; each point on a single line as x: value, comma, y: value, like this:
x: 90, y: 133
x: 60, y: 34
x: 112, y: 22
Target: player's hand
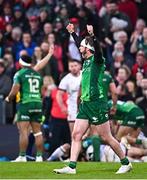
x: 90, y: 30
x: 7, y: 99
x: 70, y: 28
x: 51, y: 49
x: 113, y: 110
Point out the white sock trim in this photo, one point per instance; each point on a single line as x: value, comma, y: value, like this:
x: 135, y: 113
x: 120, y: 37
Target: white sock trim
x: 38, y: 134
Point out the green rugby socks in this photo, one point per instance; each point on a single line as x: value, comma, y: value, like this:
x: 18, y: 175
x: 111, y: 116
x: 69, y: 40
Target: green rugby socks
x: 72, y: 164
x: 125, y: 161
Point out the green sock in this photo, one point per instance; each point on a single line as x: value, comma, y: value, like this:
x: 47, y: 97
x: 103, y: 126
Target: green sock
x: 39, y: 153
x: 138, y: 141
x: 125, y: 161
x: 22, y: 153
x: 72, y: 164
x: 96, y: 142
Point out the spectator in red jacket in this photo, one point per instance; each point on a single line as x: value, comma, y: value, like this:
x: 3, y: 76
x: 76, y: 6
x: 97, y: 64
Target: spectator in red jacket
x: 140, y: 65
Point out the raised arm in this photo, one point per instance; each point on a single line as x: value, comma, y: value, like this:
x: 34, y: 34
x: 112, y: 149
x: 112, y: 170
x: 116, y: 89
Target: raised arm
x: 98, y: 50
x: 45, y: 60
x: 71, y: 29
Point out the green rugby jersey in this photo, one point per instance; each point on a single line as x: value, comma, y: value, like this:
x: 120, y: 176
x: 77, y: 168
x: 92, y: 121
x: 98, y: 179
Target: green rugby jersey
x: 31, y: 83
x: 92, y: 79
x: 107, y: 80
x: 123, y: 108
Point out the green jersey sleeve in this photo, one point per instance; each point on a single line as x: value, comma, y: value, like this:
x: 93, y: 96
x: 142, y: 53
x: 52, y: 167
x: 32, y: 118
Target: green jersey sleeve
x: 16, y: 78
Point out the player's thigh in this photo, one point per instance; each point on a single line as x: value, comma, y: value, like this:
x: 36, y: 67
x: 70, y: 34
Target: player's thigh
x: 23, y: 126
x: 71, y: 125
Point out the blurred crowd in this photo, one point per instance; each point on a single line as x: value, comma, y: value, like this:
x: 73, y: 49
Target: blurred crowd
x: 30, y: 26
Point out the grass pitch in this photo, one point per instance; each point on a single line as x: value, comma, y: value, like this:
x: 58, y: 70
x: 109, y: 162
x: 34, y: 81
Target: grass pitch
x: 85, y: 170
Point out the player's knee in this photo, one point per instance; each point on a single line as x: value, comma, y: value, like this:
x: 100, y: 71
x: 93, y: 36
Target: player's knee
x: 77, y: 136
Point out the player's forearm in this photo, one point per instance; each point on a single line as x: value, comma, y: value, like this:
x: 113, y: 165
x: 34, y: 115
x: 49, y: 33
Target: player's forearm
x: 97, y: 47
x: 114, y: 99
x: 43, y: 62
x: 76, y: 39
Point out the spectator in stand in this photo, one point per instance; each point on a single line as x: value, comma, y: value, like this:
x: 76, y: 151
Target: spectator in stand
x: 72, y: 48
x: 142, y: 102
x: 7, y: 35
x: 140, y: 65
x: 35, y: 29
x: 44, y: 17
x: 62, y: 38
x: 121, y: 80
x: 5, y: 81
x: 37, y: 56
x: 137, y: 34
x: 138, y: 78
x: 47, y: 29
x: 131, y: 89
x: 63, y: 14
x: 111, y: 22
x: 19, y: 19
x: 36, y: 7
x: 58, y: 53
x: 26, y: 44
x: 10, y: 66
x: 7, y: 13
x: 140, y: 43
x: 120, y: 56
x: 52, y: 67
x: 16, y: 35
x: 130, y: 8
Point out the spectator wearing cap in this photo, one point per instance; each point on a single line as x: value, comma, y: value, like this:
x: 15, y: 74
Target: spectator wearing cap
x: 35, y: 30
x: 19, y: 19
x: 140, y: 65
x: 26, y: 44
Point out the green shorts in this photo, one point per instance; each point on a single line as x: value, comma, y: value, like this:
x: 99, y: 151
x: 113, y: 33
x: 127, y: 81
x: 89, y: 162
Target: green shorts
x: 30, y: 112
x: 94, y: 111
x: 135, y: 118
